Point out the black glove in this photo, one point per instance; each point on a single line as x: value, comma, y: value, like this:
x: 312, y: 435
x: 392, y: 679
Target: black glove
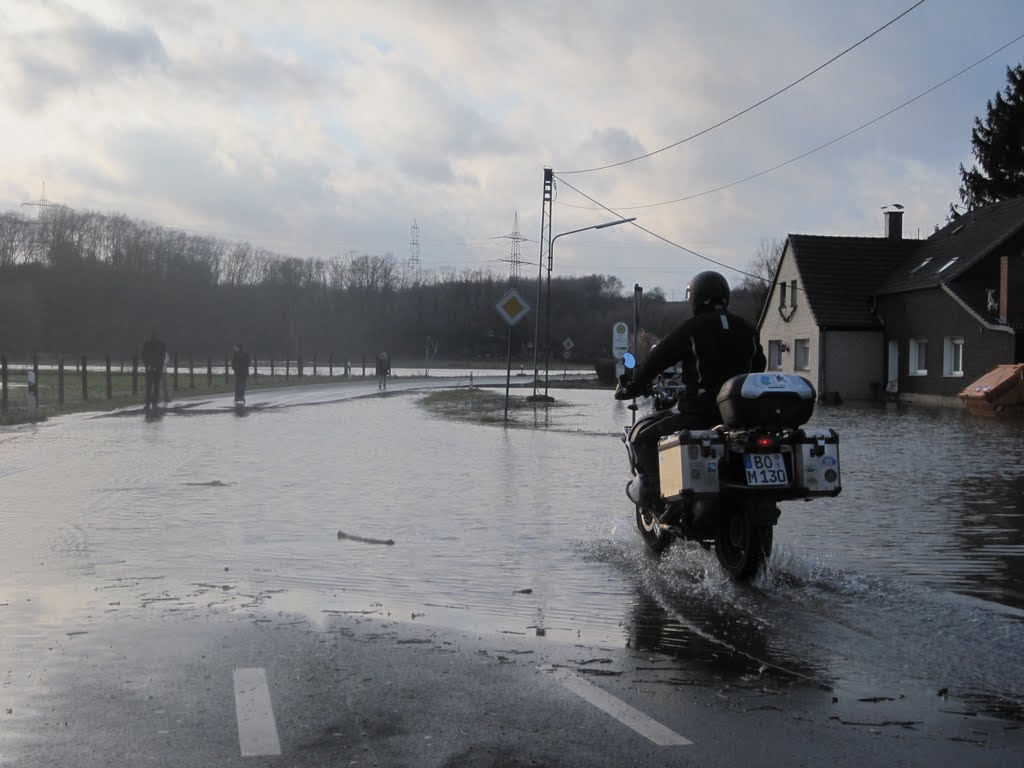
x: 628, y: 390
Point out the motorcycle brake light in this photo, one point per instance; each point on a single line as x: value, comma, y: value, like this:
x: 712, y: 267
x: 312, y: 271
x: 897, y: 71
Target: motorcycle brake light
x: 765, y: 441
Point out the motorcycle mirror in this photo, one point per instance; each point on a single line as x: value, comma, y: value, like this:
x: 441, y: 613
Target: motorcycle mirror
x: 628, y: 361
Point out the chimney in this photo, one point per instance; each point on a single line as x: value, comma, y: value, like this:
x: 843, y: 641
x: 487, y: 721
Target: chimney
x: 894, y: 225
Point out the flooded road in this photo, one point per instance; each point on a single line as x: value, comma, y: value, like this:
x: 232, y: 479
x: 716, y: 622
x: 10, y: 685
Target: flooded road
x: 907, y: 591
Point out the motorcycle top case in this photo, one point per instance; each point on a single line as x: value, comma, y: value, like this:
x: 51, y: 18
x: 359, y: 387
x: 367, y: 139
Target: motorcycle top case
x: 688, y: 463
x: 767, y: 400
x: 816, y: 462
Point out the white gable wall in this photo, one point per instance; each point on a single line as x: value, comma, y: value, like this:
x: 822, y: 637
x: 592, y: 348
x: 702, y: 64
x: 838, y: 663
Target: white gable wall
x: 801, y: 323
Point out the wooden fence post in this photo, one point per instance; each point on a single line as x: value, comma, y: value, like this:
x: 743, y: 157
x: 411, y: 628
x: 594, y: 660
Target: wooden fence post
x: 271, y: 366
x: 255, y: 368
x: 287, y: 368
x: 226, y: 377
x: 85, y: 379
x: 314, y: 364
x: 175, y: 371
x: 110, y: 383
x: 60, y: 382
x: 135, y: 374
x: 191, y: 373
x: 3, y: 383
x: 209, y: 371
x: 330, y: 365
x: 298, y: 364
x: 35, y: 369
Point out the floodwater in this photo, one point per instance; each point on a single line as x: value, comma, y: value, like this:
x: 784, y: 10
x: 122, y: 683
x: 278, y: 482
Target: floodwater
x: 910, y: 583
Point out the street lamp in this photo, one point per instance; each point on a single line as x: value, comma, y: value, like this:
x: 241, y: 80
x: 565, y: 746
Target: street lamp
x: 547, y: 300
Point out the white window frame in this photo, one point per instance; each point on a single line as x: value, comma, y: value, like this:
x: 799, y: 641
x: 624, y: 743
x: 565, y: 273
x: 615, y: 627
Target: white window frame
x: 774, y: 355
x: 915, y: 365
x: 806, y: 343
x: 953, y: 347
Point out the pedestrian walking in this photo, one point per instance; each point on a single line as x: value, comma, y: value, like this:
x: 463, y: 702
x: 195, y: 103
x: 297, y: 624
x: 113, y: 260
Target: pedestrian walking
x: 163, y: 379
x: 240, y: 365
x: 154, y: 351
x: 383, y: 370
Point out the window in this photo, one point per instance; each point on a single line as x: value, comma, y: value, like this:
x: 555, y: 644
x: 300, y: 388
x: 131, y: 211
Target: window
x: 782, y: 294
x: 918, y: 363
x: 802, y: 354
x: 774, y: 355
x: 953, y: 356
x: 792, y: 293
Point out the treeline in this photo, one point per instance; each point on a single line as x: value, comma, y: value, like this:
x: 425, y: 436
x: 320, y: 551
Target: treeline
x: 96, y: 284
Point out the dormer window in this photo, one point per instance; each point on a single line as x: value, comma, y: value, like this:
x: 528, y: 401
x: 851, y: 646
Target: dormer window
x: 948, y: 264
x: 921, y: 265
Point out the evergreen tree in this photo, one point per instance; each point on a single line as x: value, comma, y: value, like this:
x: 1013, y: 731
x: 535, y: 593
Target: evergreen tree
x: 997, y: 144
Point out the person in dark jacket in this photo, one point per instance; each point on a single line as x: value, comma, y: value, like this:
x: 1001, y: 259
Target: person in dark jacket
x: 711, y: 347
x: 153, y: 353
x: 240, y: 365
x: 383, y: 370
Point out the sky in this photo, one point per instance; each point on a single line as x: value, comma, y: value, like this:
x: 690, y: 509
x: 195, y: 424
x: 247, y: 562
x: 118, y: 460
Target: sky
x: 315, y: 129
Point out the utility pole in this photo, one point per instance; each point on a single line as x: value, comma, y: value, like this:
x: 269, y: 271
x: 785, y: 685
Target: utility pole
x: 545, y: 250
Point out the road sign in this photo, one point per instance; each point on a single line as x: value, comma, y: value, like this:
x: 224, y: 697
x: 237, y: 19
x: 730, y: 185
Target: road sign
x: 567, y: 344
x: 620, y: 345
x: 512, y: 307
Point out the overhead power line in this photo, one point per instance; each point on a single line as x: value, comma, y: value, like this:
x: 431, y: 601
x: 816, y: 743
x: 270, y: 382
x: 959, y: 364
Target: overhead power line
x: 659, y: 237
x: 818, y: 148
x: 752, y: 106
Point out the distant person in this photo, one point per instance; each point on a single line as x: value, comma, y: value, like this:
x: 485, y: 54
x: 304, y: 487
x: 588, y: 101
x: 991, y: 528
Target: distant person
x: 163, y: 379
x: 240, y: 365
x: 383, y: 370
x: 154, y: 351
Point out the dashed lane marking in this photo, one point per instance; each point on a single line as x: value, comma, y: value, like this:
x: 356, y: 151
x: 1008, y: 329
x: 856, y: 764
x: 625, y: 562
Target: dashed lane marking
x: 257, y: 731
x: 620, y: 710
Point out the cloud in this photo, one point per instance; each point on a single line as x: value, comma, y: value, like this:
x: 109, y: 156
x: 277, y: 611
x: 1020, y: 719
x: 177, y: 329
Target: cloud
x: 77, y: 54
x: 320, y: 126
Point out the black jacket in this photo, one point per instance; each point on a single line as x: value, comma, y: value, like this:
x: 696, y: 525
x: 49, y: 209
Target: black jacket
x: 240, y: 362
x: 712, y: 347
x: 153, y: 353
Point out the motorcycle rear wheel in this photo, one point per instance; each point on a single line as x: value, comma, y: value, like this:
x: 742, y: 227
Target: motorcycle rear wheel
x: 650, y: 531
x: 741, y: 545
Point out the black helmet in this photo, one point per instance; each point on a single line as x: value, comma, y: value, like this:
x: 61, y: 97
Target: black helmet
x: 707, y: 289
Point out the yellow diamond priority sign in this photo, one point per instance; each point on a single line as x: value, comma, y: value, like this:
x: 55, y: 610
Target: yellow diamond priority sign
x: 512, y: 307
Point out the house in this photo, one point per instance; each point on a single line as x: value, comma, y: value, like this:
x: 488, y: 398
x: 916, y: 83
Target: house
x: 955, y: 309
x: 918, y: 318
x: 818, y: 318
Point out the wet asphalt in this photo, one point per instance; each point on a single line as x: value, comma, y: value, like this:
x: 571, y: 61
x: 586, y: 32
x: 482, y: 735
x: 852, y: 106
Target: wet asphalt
x: 103, y: 662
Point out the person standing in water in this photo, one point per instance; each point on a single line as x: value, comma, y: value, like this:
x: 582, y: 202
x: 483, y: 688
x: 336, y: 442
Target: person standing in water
x: 240, y: 365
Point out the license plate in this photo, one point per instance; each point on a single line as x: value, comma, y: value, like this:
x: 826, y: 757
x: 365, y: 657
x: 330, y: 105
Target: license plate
x: 765, y: 469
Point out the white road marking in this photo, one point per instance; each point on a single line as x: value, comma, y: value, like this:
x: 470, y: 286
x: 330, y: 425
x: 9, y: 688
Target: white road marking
x: 257, y: 731
x: 620, y: 710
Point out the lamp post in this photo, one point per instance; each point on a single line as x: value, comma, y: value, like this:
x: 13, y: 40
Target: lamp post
x: 547, y: 300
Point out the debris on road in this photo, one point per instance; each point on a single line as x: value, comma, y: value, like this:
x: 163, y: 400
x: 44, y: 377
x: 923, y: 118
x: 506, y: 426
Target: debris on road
x: 363, y: 539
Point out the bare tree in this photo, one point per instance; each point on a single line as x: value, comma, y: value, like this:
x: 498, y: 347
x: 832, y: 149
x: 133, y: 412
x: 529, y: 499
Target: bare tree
x: 765, y: 262
x: 14, y: 238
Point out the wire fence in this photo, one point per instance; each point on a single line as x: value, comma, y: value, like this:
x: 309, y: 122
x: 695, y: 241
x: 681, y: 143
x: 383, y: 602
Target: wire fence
x: 57, y: 383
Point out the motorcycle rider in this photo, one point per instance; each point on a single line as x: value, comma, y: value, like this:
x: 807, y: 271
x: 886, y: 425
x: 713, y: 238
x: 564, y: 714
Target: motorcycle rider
x: 711, y: 347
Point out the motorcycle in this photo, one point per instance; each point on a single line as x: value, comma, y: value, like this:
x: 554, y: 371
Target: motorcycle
x: 721, y: 487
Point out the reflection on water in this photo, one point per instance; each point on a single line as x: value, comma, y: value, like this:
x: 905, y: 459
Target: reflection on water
x: 910, y: 581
